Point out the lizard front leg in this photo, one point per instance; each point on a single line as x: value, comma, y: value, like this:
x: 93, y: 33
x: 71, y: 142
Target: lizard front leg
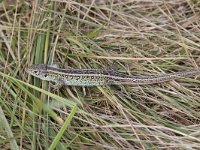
x: 57, y: 84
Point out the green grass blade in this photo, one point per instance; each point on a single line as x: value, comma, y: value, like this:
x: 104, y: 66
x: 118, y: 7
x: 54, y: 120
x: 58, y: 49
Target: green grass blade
x: 7, y: 128
x: 64, y: 127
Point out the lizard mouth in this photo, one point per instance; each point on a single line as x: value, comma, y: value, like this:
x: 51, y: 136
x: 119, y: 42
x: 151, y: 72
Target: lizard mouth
x: 30, y: 71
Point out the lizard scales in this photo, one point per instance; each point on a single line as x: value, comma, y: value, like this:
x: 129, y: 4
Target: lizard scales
x: 96, y: 77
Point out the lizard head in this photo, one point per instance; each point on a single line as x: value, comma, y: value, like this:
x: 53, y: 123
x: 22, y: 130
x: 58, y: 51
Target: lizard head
x: 39, y: 71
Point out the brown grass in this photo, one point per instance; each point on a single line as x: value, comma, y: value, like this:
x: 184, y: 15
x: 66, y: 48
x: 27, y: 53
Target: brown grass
x: 145, y: 37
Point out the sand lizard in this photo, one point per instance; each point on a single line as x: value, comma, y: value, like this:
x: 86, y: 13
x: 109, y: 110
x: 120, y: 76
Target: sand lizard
x: 95, y: 77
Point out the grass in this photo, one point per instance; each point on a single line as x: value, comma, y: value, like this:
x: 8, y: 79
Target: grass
x: 135, y: 37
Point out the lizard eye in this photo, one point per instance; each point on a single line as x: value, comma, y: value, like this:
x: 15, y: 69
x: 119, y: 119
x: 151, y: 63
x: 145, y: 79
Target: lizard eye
x: 45, y: 75
x: 35, y: 72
